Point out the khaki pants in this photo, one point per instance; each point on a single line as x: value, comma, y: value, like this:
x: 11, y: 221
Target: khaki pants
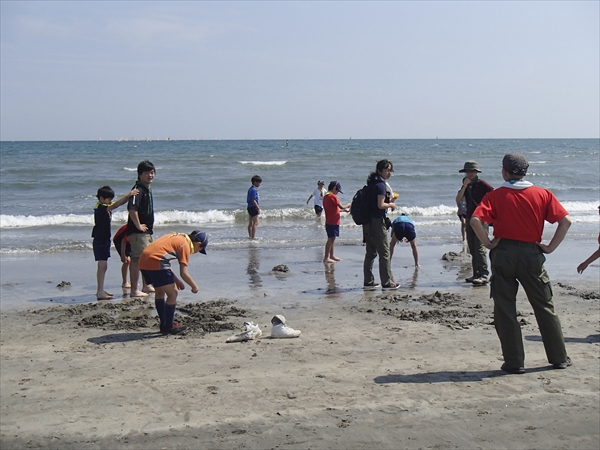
x: 376, y: 241
x: 139, y: 241
x: 516, y: 262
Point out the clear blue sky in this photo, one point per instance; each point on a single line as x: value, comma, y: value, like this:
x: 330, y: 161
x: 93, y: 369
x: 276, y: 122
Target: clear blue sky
x: 294, y: 70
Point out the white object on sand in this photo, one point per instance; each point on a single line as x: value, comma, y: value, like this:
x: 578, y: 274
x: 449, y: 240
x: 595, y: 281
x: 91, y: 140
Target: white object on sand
x: 281, y: 330
x: 251, y: 331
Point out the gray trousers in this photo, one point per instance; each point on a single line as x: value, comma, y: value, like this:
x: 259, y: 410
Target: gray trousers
x: 376, y: 242
x: 515, y: 262
x: 478, y: 252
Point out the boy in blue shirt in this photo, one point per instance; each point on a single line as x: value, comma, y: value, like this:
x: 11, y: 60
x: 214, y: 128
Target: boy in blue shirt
x: 253, y: 208
x: 101, y: 233
x: 403, y: 229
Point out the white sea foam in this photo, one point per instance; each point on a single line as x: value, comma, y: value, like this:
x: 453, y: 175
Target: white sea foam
x: 583, y: 211
x: 264, y: 163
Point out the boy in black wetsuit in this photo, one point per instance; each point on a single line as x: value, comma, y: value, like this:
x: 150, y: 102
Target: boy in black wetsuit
x: 101, y: 233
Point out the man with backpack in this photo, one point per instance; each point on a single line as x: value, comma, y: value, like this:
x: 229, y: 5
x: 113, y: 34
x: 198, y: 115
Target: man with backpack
x: 377, y: 199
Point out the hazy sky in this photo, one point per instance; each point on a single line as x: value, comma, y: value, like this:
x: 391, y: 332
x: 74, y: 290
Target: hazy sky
x: 293, y: 70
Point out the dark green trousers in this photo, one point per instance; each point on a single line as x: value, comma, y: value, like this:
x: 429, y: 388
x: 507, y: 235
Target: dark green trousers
x: 516, y: 262
x: 478, y: 252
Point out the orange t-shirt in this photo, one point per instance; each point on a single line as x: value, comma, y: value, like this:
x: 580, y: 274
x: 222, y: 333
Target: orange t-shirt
x: 159, y: 254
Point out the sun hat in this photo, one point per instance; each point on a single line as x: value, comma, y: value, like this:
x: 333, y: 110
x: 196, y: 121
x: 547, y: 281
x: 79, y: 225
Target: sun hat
x: 202, y: 237
x: 470, y: 165
x: 515, y: 163
x: 335, y: 184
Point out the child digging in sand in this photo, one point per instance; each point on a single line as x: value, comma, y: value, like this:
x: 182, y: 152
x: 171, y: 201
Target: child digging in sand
x: 332, y: 207
x: 101, y: 233
x: 155, y: 266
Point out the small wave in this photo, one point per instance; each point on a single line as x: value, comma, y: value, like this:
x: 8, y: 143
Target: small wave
x: 581, y: 206
x: 439, y: 210
x: 537, y: 162
x: 264, y: 163
x: 130, y: 169
x: 191, y: 217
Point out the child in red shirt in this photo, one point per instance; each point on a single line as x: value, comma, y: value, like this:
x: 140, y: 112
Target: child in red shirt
x: 332, y: 207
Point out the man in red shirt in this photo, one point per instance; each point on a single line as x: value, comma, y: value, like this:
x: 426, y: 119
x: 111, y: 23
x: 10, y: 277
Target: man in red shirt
x: 518, y: 210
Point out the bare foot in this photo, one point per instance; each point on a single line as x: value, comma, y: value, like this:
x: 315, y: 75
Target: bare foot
x: 138, y: 294
x: 103, y: 295
x: 335, y: 258
x: 328, y: 261
x: 148, y: 289
x: 126, y: 286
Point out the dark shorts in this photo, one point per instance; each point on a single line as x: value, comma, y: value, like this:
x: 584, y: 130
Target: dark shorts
x: 333, y: 231
x: 127, y: 250
x: 158, y: 278
x: 101, y: 249
x: 404, y: 230
x: 462, y: 216
x: 253, y: 211
x: 318, y: 210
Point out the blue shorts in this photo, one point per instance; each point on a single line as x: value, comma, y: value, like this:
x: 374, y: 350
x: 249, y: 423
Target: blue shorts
x: 333, y: 231
x: 318, y: 210
x: 253, y: 211
x: 404, y: 230
x: 158, y: 278
x: 101, y: 249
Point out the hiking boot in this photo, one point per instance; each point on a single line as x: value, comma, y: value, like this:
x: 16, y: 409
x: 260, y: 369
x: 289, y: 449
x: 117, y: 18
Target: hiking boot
x: 175, y: 324
x: 563, y: 365
x: 470, y: 279
x: 175, y: 329
x: 480, y: 281
x: 513, y: 370
x: 391, y: 287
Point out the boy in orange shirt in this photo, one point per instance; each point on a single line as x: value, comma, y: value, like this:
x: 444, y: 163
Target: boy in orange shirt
x: 155, y: 266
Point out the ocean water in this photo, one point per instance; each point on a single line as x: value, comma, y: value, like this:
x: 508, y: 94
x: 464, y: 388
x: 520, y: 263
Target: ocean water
x: 47, y: 189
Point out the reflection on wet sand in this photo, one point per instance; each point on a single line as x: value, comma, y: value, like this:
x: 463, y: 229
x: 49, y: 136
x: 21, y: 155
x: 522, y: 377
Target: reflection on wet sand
x: 253, y: 266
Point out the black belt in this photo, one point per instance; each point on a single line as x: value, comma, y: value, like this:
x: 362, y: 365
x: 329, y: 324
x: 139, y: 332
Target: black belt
x: 522, y: 244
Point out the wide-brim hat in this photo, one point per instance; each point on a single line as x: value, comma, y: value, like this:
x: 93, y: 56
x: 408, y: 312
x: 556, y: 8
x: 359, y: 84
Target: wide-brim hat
x: 470, y: 165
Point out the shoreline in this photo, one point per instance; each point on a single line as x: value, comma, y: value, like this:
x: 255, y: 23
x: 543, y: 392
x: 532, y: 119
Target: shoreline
x: 31, y: 280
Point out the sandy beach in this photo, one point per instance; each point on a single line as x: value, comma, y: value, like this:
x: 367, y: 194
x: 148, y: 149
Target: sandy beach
x: 413, y: 368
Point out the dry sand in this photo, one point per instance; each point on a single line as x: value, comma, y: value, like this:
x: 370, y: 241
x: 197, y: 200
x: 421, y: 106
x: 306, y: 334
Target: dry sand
x: 375, y: 370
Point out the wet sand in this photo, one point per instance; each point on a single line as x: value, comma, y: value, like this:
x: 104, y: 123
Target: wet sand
x: 413, y: 368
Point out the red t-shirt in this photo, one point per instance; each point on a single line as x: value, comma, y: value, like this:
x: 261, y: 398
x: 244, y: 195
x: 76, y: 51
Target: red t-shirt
x: 519, y: 214
x: 332, y: 205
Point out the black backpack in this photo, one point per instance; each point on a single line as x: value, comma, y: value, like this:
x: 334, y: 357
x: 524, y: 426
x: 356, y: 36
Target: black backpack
x: 359, y: 207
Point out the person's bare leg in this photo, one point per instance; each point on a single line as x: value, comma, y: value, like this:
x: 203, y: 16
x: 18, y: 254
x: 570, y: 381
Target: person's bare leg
x: 101, y: 294
x: 134, y: 273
